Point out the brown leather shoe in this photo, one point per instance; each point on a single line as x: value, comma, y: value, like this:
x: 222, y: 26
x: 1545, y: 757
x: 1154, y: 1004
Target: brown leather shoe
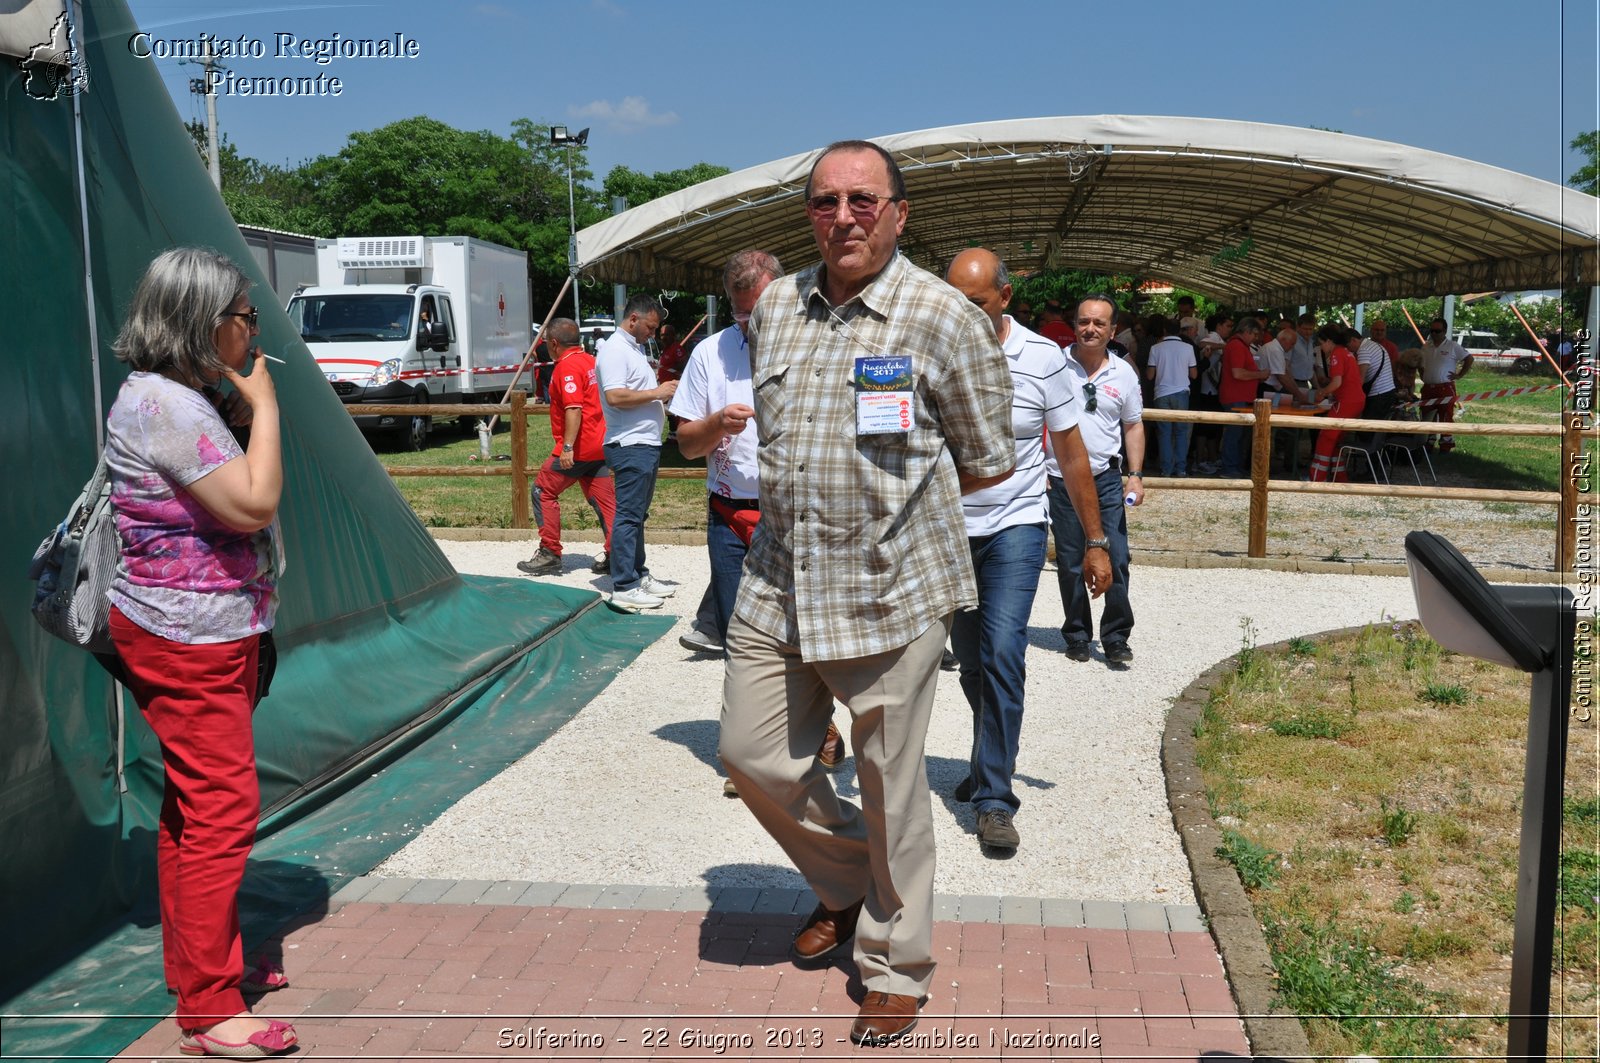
x: 831, y: 752
x: 884, y: 1017
x: 824, y: 933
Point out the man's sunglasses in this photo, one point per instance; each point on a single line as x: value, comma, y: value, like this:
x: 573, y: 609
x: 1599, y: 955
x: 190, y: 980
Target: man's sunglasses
x: 861, y: 204
x: 1089, y: 399
x: 252, y: 316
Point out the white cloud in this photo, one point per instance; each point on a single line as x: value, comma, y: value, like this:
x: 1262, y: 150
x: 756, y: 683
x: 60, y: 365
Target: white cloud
x: 628, y: 116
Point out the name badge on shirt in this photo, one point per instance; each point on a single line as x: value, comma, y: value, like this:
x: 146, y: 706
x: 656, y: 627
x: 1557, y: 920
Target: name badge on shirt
x: 883, y: 395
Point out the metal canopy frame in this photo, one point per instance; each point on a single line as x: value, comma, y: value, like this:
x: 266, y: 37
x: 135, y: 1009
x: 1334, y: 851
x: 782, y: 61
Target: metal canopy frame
x: 1246, y: 213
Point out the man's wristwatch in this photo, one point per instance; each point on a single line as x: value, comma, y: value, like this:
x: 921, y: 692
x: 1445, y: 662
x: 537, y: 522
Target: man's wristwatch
x: 1102, y: 542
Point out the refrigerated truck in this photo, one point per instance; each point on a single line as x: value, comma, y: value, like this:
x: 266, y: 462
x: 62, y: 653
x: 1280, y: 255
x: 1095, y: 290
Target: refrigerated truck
x: 415, y: 319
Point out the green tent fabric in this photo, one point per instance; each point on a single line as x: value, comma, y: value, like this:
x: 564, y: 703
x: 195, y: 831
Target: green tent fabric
x: 381, y: 640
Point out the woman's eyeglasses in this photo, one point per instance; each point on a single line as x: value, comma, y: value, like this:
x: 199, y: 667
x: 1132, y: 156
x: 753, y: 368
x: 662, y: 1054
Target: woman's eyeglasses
x: 251, y: 316
x: 861, y: 204
x: 1089, y: 399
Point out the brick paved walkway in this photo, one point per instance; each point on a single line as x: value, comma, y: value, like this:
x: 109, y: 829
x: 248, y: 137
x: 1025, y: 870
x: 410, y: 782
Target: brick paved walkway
x: 408, y: 969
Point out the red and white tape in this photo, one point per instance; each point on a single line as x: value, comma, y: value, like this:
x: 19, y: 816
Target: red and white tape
x: 1462, y: 400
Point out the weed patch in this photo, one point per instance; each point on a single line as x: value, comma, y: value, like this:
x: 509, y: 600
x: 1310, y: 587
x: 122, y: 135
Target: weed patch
x: 1257, y: 865
x: 1391, y: 916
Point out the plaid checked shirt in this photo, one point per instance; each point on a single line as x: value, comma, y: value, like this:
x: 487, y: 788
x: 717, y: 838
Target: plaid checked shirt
x: 861, y: 543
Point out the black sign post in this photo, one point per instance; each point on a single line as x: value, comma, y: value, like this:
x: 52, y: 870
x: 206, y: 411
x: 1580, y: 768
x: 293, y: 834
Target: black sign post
x: 1529, y: 627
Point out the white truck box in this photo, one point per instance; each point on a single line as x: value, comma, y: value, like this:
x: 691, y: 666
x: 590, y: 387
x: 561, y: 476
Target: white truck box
x: 414, y: 319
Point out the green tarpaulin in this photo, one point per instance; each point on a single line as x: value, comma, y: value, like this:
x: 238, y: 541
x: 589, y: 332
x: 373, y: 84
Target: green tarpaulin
x: 382, y: 642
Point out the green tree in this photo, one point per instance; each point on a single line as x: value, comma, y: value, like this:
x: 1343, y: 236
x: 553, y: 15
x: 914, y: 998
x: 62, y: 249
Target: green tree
x: 1067, y: 286
x: 258, y: 193
x: 1586, y: 178
x: 640, y: 188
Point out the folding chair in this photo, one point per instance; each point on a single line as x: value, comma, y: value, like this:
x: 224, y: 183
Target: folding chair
x: 1408, y: 445
x: 1370, y: 446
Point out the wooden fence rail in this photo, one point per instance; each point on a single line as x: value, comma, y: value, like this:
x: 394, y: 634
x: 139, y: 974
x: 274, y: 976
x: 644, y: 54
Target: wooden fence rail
x: 1571, y: 432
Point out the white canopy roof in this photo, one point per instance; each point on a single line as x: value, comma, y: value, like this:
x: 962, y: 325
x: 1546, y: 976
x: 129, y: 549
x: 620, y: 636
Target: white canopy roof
x: 1247, y: 213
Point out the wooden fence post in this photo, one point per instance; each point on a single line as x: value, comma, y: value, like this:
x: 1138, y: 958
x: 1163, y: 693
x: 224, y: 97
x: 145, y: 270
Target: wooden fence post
x: 1575, y: 472
x: 520, y: 502
x: 1260, y: 470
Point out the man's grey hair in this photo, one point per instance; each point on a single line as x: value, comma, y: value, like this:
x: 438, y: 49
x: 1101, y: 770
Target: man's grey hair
x: 748, y: 268
x: 1002, y: 275
x: 562, y: 330
x: 172, y: 321
x: 1247, y: 324
x: 897, y: 181
x: 643, y: 304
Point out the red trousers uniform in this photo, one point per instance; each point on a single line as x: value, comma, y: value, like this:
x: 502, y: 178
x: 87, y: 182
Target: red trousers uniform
x: 1326, y: 466
x: 198, y: 699
x: 1444, y: 411
x: 553, y: 480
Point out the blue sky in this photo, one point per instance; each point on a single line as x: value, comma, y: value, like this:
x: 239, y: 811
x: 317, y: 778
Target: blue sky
x: 667, y: 84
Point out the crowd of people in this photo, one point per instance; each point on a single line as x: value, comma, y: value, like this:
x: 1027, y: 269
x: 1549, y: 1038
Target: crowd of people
x: 886, y: 454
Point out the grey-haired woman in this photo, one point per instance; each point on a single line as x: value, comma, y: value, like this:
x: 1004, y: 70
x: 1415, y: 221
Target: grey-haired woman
x: 195, y: 590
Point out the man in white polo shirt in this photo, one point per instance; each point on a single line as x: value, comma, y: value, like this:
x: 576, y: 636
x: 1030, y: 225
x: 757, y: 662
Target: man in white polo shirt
x: 1444, y: 361
x: 1172, y: 369
x: 634, y: 405
x: 1005, y: 533
x: 1110, y: 415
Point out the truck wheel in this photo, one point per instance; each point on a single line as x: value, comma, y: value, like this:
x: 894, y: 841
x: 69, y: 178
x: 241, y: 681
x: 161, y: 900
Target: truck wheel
x: 1524, y: 365
x: 413, y: 434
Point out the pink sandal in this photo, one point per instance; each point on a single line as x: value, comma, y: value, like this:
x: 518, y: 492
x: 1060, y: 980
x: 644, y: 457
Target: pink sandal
x: 277, y: 1037
x: 264, y: 977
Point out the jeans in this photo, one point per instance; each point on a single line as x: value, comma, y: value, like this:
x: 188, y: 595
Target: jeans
x: 633, y: 469
x: 1116, y: 622
x: 991, y: 643
x: 1236, y: 451
x: 727, y: 552
x: 1172, y: 437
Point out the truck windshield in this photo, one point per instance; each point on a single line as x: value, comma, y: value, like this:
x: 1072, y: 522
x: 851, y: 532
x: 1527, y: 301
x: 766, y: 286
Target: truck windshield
x: 352, y: 317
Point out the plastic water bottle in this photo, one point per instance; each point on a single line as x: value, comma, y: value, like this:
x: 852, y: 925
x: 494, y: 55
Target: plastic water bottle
x: 1131, y: 499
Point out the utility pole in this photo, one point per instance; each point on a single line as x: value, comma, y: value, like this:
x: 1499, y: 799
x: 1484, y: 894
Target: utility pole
x: 202, y: 87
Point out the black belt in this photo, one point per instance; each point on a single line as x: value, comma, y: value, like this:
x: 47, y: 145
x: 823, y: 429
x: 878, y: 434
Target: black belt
x: 738, y: 503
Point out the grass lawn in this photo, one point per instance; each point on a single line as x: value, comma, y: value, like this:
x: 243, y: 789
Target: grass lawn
x: 1369, y: 790
x: 485, y: 501
x: 1511, y: 462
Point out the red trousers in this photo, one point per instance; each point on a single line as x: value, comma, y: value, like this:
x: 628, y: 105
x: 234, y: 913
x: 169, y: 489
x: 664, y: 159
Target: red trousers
x: 553, y: 480
x: 1326, y: 467
x: 1444, y: 411
x: 198, y: 699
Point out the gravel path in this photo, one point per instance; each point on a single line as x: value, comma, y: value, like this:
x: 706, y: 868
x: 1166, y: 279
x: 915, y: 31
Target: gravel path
x: 628, y: 792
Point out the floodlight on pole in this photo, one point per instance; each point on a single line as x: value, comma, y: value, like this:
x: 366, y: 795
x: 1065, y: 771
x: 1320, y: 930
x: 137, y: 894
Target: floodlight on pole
x: 560, y: 136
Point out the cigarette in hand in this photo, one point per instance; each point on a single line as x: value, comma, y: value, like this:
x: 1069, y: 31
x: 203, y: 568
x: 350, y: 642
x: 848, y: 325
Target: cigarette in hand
x: 270, y: 358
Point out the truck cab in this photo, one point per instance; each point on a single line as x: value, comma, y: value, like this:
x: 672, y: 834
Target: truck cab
x: 413, y: 320
x: 383, y: 344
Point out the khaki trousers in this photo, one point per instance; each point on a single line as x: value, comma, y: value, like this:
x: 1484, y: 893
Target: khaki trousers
x: 775, y: 711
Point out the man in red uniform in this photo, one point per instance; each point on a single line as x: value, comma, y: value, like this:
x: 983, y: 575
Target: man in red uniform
x: 1237, y: 387
x: 579, y: 429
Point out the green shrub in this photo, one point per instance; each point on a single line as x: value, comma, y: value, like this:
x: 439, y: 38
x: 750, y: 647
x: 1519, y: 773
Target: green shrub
x: 1257, y: 865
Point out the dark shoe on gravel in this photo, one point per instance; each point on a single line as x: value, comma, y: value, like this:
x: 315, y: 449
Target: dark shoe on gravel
x: 996, y: 831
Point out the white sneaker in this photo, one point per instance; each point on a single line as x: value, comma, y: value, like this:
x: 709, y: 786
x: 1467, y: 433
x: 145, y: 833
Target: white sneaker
x: 661, y: 588
x: 632, y: 601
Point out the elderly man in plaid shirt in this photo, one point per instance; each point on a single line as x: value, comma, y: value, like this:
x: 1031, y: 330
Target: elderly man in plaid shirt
x: 880, y: 395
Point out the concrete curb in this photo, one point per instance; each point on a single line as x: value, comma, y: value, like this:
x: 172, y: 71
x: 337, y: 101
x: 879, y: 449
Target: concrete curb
x: 1239, y: 937
x: 1145, y: 559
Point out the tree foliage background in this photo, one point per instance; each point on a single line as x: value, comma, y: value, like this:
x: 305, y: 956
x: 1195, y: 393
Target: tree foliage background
x: 420, y: 176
